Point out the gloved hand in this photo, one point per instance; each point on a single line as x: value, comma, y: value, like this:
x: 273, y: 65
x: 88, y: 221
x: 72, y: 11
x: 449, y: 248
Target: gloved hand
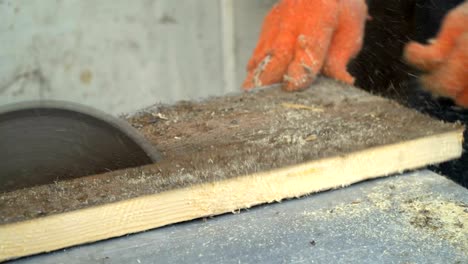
x: 445, y: 59
x: 303, y: 38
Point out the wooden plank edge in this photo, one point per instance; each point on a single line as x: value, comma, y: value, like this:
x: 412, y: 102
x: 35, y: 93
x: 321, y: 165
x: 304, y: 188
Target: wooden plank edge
x: 143, y: 213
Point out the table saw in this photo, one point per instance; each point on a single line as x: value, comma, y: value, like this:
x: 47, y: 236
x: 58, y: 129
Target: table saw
x: 228, y: 154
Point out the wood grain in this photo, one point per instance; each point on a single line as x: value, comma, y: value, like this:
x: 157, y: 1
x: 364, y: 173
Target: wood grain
x: 215, y: 166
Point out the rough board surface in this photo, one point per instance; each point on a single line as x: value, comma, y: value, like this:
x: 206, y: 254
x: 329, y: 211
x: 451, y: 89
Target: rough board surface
x: 233, y: 136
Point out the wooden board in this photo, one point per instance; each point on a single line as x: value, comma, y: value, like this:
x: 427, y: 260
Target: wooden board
x: 229, y: 153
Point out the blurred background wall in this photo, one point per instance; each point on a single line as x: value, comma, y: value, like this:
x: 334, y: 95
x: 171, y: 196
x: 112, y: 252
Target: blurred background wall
x: 120, y: 56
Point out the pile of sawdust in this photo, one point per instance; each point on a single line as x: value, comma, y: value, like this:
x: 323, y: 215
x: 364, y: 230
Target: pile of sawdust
x: 415, y: 209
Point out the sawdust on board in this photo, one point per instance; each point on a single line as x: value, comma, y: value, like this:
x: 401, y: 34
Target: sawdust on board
x: 231, y: 136
x: 410, y: 204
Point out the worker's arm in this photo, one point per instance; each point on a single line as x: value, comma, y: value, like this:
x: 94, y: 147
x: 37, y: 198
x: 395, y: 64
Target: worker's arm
x: 445, y: 59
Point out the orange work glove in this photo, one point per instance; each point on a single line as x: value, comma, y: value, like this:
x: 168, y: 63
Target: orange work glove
x: 445, y: 59
x: 302, y: 38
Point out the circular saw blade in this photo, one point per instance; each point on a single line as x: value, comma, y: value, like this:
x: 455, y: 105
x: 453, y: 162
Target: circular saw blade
x: 46, y: 141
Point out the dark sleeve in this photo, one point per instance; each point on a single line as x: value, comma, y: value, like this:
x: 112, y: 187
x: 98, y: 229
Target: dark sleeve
x: 379, y: 67
x: 428, y: 15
